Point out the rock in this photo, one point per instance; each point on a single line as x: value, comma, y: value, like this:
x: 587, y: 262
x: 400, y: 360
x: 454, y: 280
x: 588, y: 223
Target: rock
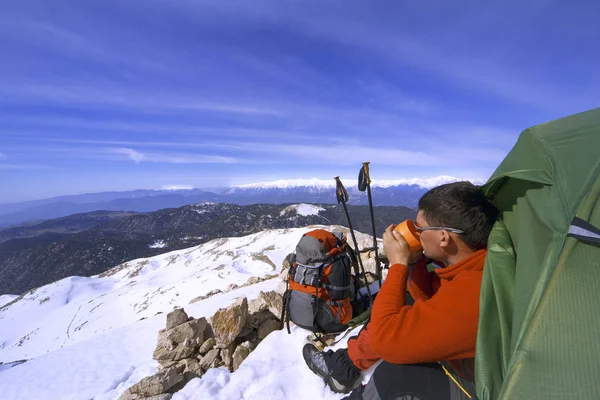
x: 271, y: 301
x: 267, y: 327
x: 284, y: 274
x: 255, y: 320
x: 206, y: 296
x: 228, y: 323
x: 130, y: 396
x: 127, y: 395
x: 251, y: 336
x: 156, y: 384
x: 230, y: 287
x: 208, y: 332
x: 247, y: 328
x: 176, y: 318
x: 191, y: 365
x: 227, y: 355
x: 207, y: 346
x: 370, y: 266
x: 249, y: 345
x: 207, y: 361
x: 180, y: 352
x: 253, y: 280
x: 164, y: 364
x: 180, y: 342
x: 286, y: 261
x: 191, y: 369
x: 239, y: 355
x: 190, y: 330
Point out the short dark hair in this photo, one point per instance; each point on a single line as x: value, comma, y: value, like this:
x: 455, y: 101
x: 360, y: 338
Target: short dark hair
x: 460, y: 205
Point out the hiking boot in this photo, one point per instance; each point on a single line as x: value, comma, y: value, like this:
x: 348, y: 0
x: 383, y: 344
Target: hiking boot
x: 315, y: 360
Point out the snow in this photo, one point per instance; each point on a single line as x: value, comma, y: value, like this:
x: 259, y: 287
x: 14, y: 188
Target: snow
x: 94, y: 337
x: 291, y: 183
x: 276, y: 370
x: 426, y: 183
x: 7, y: 298
x: 203, y: 208
x: 159, y: 244
x: 178, y: 187
x: 302, y: 209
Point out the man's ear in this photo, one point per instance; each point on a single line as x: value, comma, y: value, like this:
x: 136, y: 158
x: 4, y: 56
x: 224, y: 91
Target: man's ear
x: 444, y: 239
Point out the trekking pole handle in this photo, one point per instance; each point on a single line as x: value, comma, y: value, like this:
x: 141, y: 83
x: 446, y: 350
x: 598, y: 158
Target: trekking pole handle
x: 340, y: 191
x: 366, y: 170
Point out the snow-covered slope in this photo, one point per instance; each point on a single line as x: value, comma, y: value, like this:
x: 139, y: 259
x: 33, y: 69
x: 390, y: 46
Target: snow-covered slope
x: 93, y: 337
x: 7, y: 298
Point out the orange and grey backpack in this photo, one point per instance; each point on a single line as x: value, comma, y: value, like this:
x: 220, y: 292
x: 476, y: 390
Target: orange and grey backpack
x: 319, y: 286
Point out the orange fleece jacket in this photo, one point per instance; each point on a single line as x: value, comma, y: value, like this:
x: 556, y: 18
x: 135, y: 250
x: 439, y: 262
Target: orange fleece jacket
x: 442, y: 323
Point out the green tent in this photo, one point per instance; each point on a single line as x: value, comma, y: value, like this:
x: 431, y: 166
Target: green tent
x: 539, y: 326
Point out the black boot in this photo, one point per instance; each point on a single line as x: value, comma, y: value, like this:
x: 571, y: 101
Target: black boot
x: 336, y: 368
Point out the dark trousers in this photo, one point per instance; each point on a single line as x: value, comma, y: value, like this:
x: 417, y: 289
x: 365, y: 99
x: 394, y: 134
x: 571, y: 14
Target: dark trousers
x: 409, y: 382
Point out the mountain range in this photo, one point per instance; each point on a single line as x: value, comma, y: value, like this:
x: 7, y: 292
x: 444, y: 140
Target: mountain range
x: 384, y: 193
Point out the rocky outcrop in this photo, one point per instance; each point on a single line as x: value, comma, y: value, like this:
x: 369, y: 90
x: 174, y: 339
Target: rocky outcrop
x: 188, y: 347
x: 251, y: 281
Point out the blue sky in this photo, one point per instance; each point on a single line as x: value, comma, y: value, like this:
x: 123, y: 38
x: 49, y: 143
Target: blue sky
x: 119, y: 94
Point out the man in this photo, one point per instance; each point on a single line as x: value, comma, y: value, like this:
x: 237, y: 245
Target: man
x: 428, y: 347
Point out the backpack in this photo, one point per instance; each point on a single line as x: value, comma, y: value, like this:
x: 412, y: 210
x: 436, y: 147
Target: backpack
x: 319, y: 287
x: 539, y: 318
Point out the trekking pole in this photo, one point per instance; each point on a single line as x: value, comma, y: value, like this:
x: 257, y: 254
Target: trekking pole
x: 364, y: 182
x: 342, y: 197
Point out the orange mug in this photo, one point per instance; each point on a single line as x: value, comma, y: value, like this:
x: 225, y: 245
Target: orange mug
x: 410, y: 234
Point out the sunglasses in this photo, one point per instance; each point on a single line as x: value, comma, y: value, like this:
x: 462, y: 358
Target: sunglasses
x: 436, y: 228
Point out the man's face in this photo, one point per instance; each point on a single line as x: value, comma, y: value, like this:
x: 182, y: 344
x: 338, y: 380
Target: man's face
x: 430, y: 240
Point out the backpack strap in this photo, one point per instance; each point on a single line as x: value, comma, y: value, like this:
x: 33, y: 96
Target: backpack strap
x: 341, y: 288
x: 315, y: 305
x: 339, y: 308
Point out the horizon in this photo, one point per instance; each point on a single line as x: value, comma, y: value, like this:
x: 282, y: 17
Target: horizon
x: 114, y: 96
x: 426, y: 183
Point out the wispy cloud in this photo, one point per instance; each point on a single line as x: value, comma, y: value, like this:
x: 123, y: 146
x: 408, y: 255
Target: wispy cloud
x: 21, y: 167
x: 173, y: 158
x: 99, y: 97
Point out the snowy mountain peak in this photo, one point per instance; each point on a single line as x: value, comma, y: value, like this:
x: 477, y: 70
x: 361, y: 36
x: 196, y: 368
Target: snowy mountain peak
x: 290, y: 183
x: 178, y: 187
x: 426, y: 183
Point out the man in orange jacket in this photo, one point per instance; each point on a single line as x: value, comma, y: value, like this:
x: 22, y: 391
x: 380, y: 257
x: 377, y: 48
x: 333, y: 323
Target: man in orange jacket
x: 427, y: 345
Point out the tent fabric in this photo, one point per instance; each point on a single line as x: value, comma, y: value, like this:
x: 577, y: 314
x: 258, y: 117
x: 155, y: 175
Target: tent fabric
x: 539, y: 309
